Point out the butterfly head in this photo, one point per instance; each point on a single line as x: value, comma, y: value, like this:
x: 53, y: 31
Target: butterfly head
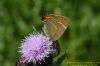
x: 46, y: 18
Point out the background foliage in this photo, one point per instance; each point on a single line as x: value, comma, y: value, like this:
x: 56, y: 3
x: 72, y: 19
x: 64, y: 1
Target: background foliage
x: 81, y: 39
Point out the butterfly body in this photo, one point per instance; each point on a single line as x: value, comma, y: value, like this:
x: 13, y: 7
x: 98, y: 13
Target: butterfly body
x: 55, y: 26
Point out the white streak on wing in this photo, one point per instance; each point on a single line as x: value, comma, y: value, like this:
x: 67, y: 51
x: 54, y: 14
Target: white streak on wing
x: 54, y: 25
x: 62, y: 25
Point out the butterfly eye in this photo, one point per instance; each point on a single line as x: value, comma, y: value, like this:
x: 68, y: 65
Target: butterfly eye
x: 43, y: 18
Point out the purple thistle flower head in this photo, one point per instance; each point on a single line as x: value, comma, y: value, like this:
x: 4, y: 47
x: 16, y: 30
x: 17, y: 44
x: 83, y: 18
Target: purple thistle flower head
x: 36, y: 47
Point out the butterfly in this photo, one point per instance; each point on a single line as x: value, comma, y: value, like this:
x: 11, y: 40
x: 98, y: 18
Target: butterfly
x: 55, y: 26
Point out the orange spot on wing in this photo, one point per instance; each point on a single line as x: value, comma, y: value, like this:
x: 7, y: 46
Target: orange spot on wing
x: 64, y: 22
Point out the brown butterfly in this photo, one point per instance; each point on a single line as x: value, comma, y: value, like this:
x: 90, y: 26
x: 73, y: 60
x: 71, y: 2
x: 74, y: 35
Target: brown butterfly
x: 54, y: 26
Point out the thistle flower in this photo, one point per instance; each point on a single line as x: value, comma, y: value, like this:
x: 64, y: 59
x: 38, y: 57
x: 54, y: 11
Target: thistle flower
x: 36, y: 47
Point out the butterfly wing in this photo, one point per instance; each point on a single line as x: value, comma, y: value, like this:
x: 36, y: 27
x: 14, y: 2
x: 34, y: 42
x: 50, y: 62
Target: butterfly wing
x: 55, y: 26
x: 50, y: 29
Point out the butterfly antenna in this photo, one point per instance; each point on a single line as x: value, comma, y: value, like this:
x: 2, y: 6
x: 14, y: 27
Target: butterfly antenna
x: 46, y: 12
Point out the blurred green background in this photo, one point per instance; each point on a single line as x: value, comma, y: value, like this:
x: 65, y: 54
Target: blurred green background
x: 81, y: 40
